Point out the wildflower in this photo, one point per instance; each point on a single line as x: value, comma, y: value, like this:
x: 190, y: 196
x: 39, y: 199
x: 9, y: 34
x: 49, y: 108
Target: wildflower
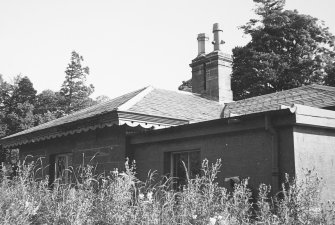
x: 115, y: 172
x: 34, y: 212
x: 212, y: 221
x: 315, y: 210
x: 149, y: 196
x: 141, y: 196
x: 27, y: 204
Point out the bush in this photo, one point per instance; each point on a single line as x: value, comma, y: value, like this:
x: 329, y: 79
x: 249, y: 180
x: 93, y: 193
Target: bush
x: 120, y: 198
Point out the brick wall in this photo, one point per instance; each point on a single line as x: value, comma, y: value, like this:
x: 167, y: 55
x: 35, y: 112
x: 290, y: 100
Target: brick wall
x: 198, y: 77
x: 211, y: 76
x: 245, y: 154
x: 106, y: 146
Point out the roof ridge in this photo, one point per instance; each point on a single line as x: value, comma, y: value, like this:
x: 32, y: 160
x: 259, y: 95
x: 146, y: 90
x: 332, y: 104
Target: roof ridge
x: 179, y: 91
x: 200, y: 96
x: 323, y: 87
x: 138, y: 97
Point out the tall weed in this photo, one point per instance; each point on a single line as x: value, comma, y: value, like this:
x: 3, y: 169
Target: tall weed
x: 120, y: 198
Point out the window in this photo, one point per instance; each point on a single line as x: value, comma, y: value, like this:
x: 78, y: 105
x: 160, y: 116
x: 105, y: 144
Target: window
x: 181, y: 160
x: 62, y: 163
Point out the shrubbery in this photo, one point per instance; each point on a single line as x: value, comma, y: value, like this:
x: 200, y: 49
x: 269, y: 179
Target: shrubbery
x: 119, y: 198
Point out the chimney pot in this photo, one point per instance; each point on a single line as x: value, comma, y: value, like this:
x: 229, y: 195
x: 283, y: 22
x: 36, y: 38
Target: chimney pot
x: 211, y: 72
x: 217, y: 40
x: 202, y: 39
x: 216, y: 27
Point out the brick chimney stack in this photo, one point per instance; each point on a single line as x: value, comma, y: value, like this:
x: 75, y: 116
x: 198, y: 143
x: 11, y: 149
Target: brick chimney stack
x: 211, y: 72
x: 202, y: 39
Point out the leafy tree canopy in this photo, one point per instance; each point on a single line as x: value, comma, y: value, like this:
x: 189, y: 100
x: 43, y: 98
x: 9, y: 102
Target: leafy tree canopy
x: 102, y: 98
x: 16, y: 105
x: 48, y: 106
x: 287, y: 50
x: 21, y: 108
x: 48, y: 101
x: 186, y: 86
x: 24, y: 91
x: 21, y: 118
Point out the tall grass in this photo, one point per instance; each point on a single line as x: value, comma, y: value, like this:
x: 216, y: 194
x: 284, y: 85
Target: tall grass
x: 120, y: 198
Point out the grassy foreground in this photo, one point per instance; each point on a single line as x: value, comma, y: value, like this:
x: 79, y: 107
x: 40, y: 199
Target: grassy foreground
x: 119, y: 198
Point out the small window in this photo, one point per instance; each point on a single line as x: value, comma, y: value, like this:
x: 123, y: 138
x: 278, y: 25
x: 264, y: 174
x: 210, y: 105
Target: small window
x: 180, y: 161
x: 62, y: 163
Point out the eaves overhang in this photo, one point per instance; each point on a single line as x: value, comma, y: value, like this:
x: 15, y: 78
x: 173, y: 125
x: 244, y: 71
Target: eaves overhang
x: 108, y: 119
x: 280, y: 118
x: 284, y: 116
x: 148, y: 121
x: 24, y: 137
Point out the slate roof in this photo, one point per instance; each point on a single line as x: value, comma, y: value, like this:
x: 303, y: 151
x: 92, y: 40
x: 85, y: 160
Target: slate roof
x: 170, y: 106
x: 154, y: 102
x: 311, y: 95
x: 178, y: 104
x: 82, y: 114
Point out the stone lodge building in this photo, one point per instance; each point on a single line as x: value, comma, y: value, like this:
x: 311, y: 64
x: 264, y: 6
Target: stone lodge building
x: 262, y: 137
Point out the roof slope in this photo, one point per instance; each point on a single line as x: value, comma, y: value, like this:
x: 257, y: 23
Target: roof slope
x: 170, y: 106
x: 149, y: 101
x: 312, y: 95
x: 88, y: 112
x: 179, y: 105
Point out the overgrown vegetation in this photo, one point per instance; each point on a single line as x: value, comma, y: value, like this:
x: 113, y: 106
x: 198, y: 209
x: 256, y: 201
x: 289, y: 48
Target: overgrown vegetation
x: 120, y: 198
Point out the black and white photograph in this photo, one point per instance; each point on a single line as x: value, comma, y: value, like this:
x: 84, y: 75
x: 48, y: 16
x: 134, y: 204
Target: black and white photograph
x: 153, y: 112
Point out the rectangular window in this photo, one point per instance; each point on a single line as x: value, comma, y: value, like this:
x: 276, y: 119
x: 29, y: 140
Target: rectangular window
x: 62, y: 163
x: 182, y: 162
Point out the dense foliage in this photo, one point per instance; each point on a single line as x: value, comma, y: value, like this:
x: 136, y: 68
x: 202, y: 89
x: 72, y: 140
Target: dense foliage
x: 17, y: 107
x: 287, y: 50
x: 120, y: 198
x: 22, y: 108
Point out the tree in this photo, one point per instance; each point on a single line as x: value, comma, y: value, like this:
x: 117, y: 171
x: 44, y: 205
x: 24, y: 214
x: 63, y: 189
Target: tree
x: 287, y: 50
x: 330, y: 70
x: 17, y: 100
x: 48, y: 106
x: 17, y: 105
x: 74, y: 90
x: 24, y: 92
x: 21, y: 118
x: 5, y: 92
x: 186, y: 86
x: 102, y: 98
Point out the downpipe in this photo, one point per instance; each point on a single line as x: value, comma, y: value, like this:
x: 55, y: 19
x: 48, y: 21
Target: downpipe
x: 274, y: 147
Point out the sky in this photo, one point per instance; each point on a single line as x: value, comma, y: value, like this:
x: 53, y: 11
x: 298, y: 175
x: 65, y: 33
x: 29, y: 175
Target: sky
x: 127, y: 44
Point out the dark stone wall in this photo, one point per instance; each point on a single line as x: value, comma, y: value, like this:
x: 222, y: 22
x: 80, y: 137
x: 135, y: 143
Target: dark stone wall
x: 244, y: 154
x: 199, y: 77
x: 106, y: 146
x: 245, y: 148
x: 211, y: 76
